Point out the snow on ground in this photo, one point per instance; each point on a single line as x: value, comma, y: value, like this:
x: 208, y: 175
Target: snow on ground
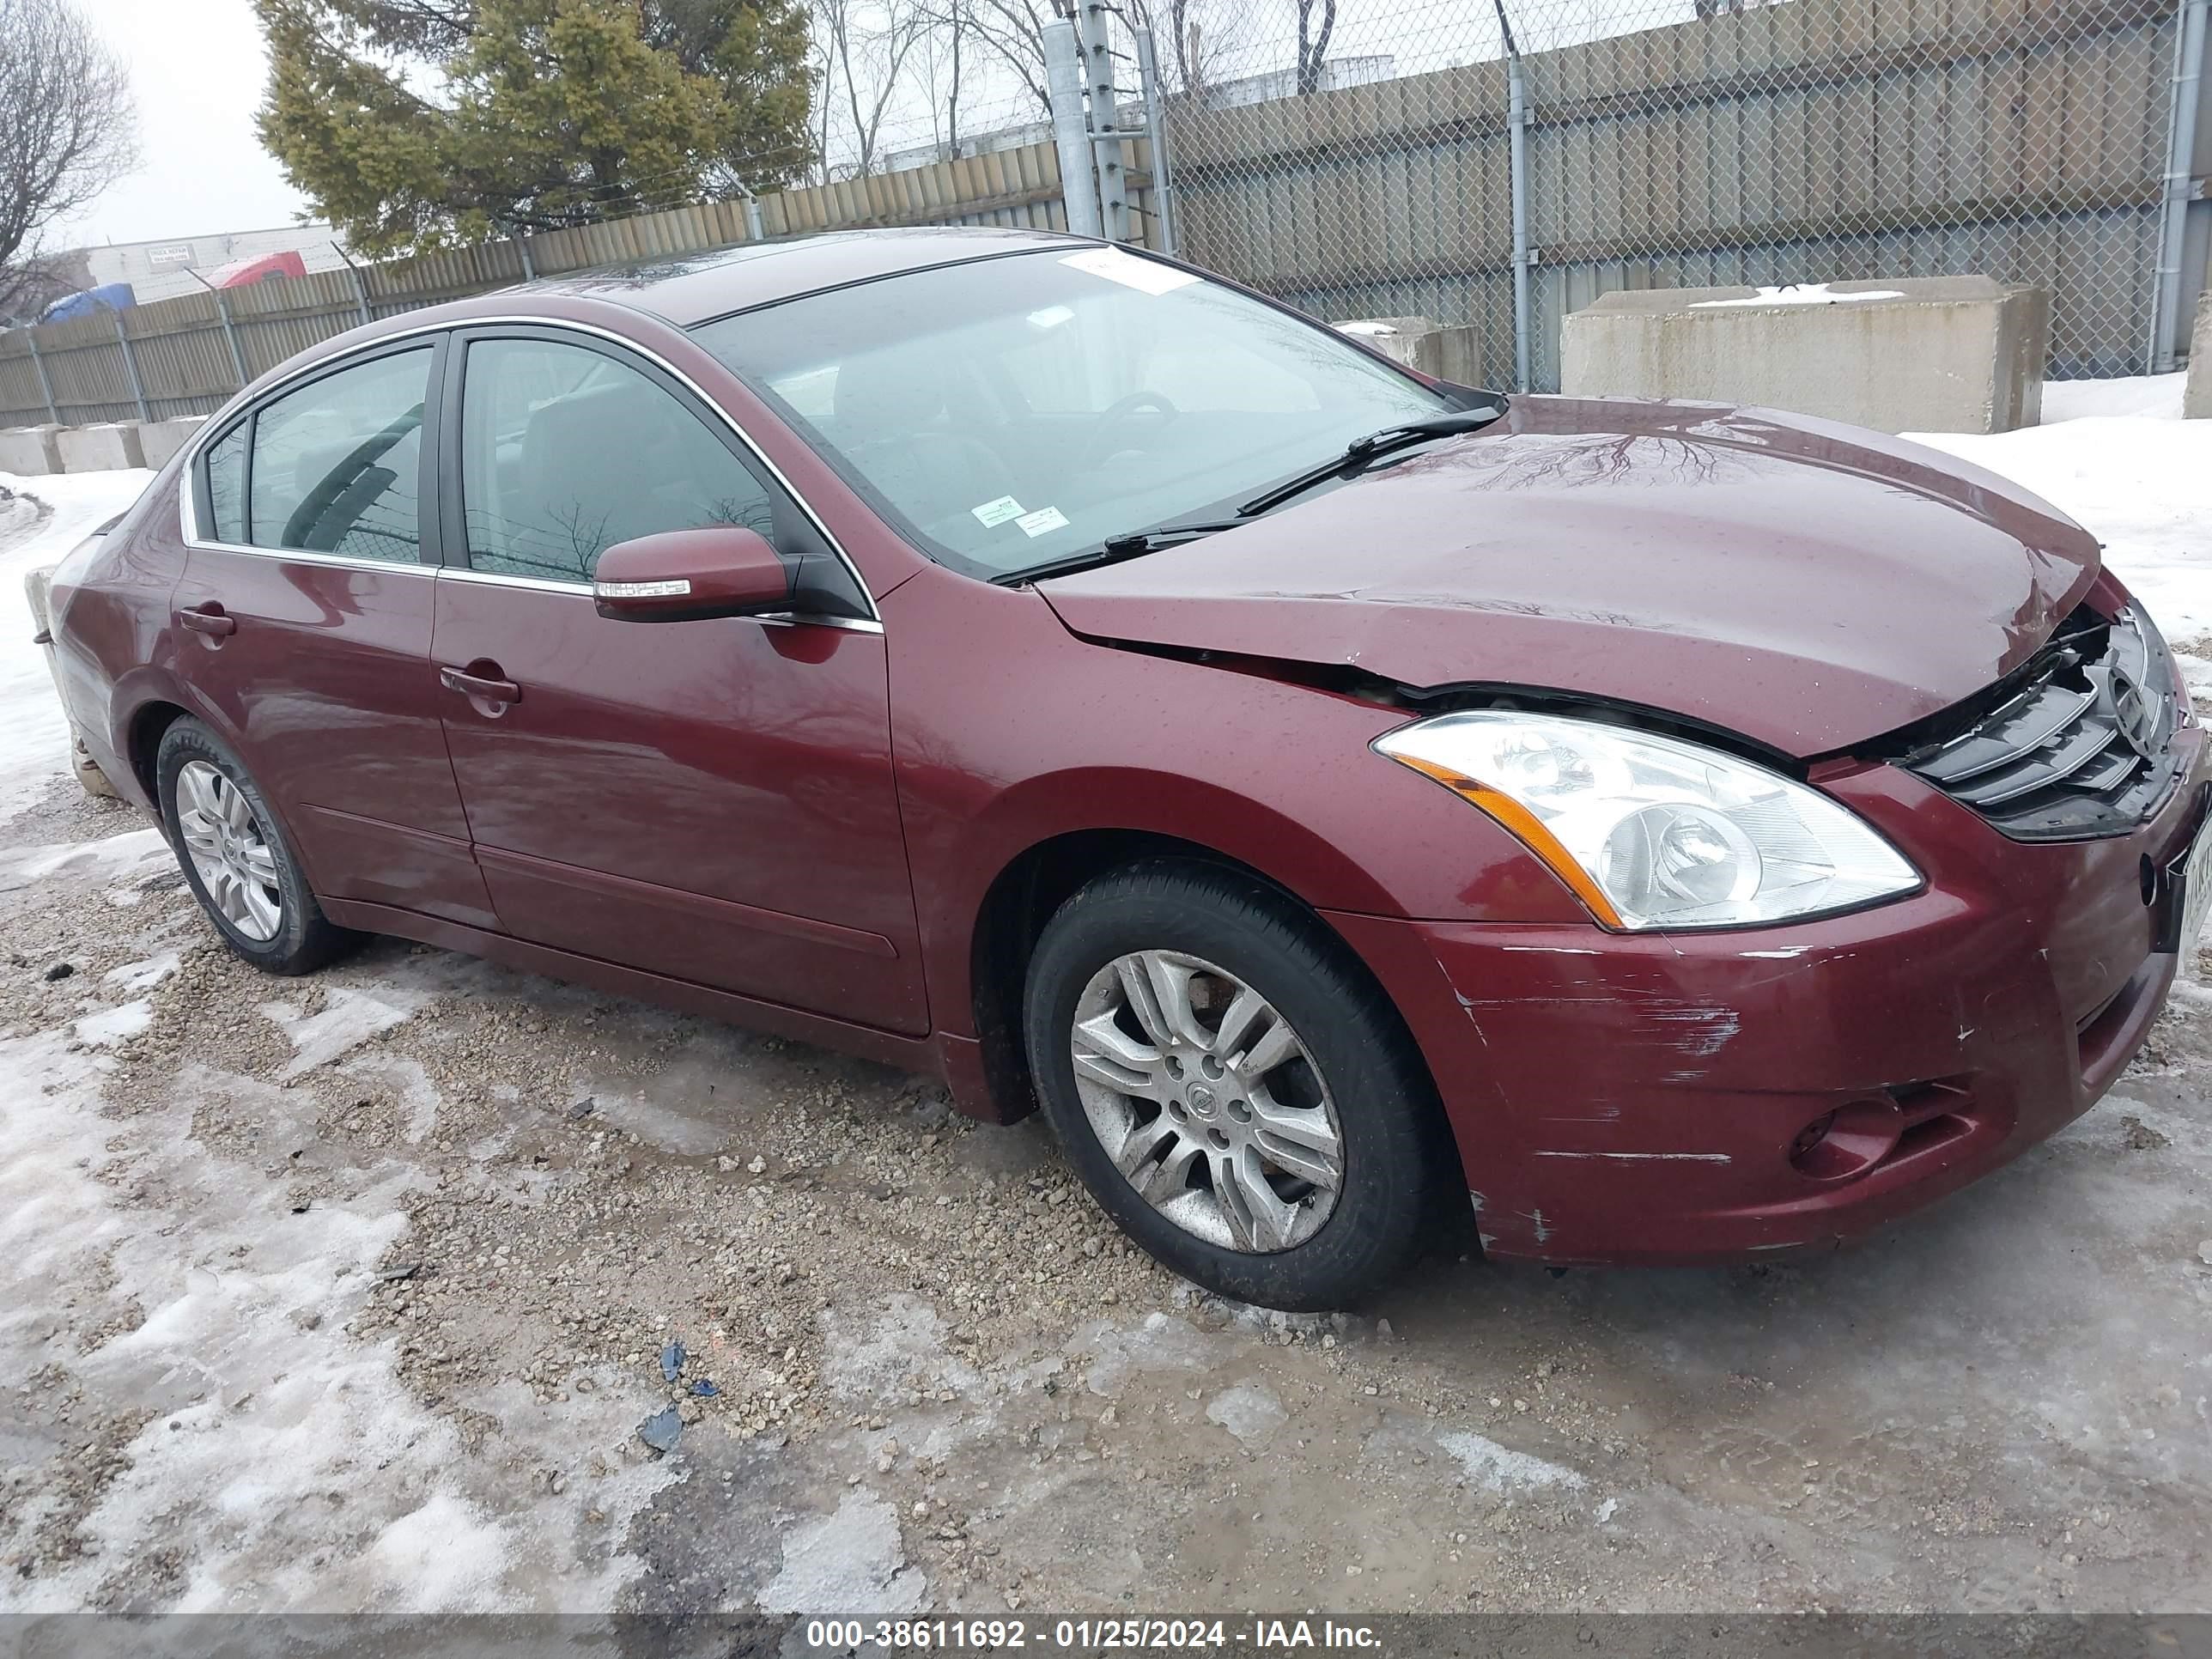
x: 33, y: 738
x: 2141, y: 481
x: 2158, y: 395
x: 307, y: 1474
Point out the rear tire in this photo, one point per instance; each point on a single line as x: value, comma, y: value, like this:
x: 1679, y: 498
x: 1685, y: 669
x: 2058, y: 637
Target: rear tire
x: 237, y: 859
x: 1282, y: 1144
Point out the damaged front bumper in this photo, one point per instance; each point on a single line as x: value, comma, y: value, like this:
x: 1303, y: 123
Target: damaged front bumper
x: 1701, y: 1097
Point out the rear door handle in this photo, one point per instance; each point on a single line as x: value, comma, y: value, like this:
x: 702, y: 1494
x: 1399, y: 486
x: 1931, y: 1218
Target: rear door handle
x: 208, y: 618
x: 488, y: 688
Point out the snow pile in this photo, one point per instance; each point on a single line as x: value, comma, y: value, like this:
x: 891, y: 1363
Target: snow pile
x: 2158, y: 396
x: 1796, y: 293
x: 2140, y: 482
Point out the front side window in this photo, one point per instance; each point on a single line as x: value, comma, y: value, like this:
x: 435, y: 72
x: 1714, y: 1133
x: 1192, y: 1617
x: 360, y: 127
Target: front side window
x: 337, y: 464
x: 1009, y: 412
x: 566, y: 451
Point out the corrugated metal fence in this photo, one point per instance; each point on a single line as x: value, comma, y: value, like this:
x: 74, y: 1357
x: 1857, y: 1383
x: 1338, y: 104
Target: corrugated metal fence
x: 180, y: 359
x: 1691, y: 143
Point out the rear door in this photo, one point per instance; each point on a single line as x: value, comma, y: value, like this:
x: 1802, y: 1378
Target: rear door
x: 304, y: 617
x: 709, y: 799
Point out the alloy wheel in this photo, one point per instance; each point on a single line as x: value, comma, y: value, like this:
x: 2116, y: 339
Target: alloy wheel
x: 230, y: 850
x: 1207, y: 1102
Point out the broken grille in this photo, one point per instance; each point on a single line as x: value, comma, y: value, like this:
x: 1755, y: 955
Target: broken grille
x: 2080, y: 745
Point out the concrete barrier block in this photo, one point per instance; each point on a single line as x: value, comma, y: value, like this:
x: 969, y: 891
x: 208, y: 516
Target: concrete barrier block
x: 159, y: 440
x: 105, y: 448
x: 2196, y: 396
x: 1459, y: 355
x: 30, y: 452
x: 1395, y: 337
x: 1941, y: 353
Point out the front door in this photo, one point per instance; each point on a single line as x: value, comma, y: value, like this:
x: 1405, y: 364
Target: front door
x: 709, y: 799
x: 303, y: 623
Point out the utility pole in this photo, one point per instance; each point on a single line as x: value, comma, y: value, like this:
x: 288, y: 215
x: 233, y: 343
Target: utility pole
x: 1106, y: 136
x: 1070, y: 130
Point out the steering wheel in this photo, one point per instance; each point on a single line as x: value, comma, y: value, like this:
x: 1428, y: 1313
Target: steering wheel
x: 1105, y: 433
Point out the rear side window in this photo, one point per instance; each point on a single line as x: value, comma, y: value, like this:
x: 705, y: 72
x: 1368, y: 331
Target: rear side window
x: 225, y: 469
x: 337, y: 464
x: 566, y: 451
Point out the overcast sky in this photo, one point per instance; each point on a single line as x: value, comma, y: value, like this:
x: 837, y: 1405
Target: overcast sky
x: 197, y: 68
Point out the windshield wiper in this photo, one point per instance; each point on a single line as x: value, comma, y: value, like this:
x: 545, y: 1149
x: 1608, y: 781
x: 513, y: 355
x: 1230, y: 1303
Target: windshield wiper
x: 1361, y: 453
x: 1129, y: 544
x: 1132, y: 542
x: 1358, y: 453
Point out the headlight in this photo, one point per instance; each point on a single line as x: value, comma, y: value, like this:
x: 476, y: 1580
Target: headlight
x: 1652, y: 832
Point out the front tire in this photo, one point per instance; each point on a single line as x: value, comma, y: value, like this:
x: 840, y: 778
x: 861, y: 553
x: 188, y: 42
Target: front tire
x: 1232, y: 1088
x: 236, y: 857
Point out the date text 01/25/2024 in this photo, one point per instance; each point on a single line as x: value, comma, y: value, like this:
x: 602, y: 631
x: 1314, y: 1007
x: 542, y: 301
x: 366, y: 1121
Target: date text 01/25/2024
x: 1085, y: 1635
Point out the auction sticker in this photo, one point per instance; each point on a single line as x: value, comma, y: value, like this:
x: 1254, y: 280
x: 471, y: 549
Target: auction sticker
x: 1146, y: 276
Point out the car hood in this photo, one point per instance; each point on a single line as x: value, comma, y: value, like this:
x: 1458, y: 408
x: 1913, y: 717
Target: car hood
x: 1806, y: 584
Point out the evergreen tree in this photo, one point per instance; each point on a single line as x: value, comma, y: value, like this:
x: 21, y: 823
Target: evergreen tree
x: 419, y: 124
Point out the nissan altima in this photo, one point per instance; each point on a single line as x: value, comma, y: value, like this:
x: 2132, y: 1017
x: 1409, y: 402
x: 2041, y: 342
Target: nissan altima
x: 1677, y: 830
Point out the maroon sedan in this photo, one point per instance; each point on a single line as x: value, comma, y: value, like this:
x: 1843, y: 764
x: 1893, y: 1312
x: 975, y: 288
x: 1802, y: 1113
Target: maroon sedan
x: 1690, y: 830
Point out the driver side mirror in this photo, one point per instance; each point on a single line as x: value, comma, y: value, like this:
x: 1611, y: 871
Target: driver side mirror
x: 682, y: 575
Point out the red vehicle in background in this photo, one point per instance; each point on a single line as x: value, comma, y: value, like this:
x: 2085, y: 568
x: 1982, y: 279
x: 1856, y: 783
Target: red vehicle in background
x: 266, y: 268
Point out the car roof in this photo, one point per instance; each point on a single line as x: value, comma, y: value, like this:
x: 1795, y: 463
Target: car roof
x: 688, y: 288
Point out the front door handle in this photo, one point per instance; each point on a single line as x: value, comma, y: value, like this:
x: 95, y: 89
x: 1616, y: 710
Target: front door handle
x: 484, y: 688
x: 208, y: 618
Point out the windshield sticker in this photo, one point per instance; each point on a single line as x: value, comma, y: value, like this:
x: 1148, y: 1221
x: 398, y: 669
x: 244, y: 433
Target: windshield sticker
x: 1051, y: 317
x: 1044, y: 521
x: 1143, y: 274
x: 992, y: 514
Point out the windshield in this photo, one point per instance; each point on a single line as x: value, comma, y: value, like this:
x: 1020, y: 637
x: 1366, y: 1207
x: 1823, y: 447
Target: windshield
x: 1013, y: 412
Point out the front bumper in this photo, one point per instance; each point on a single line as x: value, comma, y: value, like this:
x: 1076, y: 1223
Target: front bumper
x: 1647, y: 1097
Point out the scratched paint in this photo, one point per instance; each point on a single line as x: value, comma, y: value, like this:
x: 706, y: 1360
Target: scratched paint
x: 1709, y: 1028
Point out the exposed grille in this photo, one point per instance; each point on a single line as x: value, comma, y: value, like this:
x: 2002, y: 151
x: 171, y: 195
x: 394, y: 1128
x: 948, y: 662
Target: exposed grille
x: 2077, y: 744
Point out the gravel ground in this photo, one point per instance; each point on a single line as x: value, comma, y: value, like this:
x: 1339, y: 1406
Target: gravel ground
x: 354, y: 1293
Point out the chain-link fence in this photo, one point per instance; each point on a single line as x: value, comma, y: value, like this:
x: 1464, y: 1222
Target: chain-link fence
x: 1370, y: 170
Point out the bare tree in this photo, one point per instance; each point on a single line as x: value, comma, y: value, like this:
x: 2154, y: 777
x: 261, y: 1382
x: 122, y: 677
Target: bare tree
x: 67, y: 131
x: 1012, y: 33
x: 863, y: 46
x: 941, y: 68
x: 1313, y: 41
x: 1200, y: 41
